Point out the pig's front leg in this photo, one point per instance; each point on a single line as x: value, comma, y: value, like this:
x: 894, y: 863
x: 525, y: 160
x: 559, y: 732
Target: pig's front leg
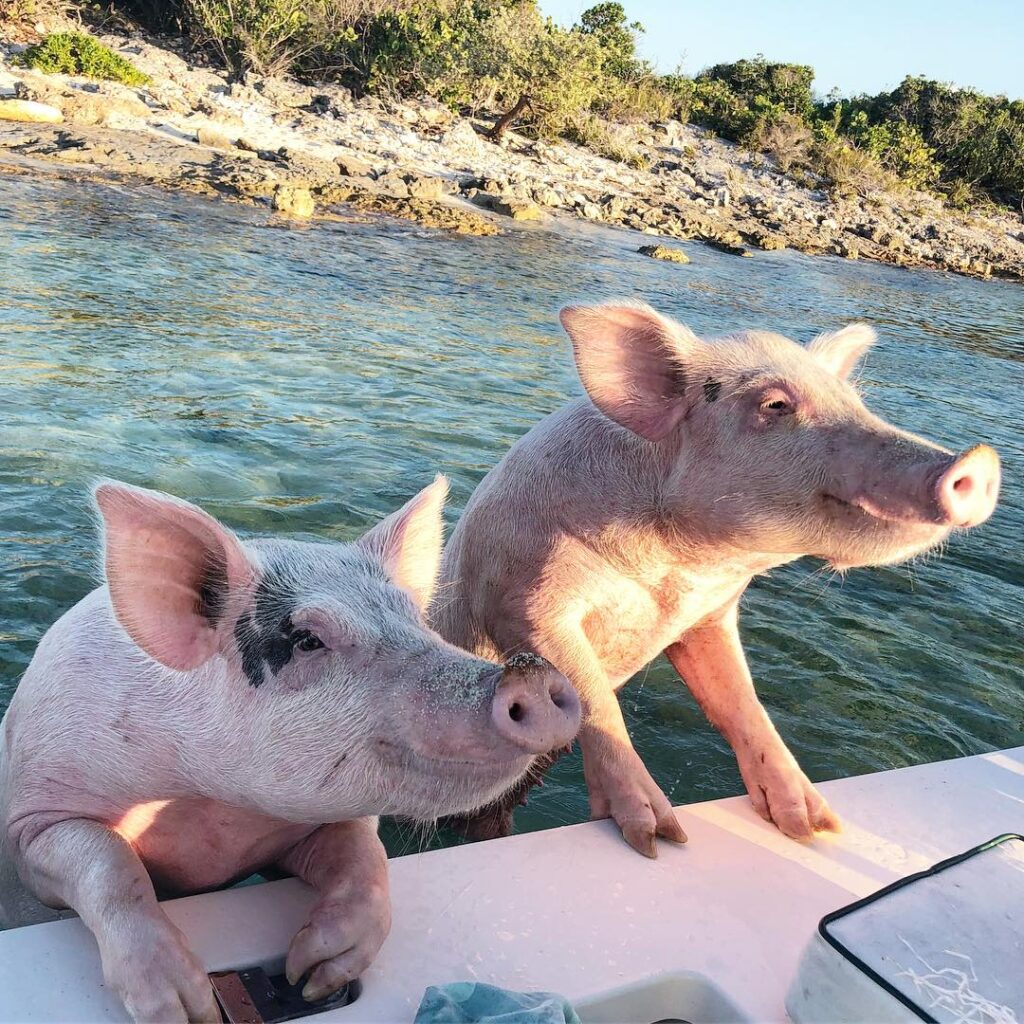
x: 618, y: 783
x: 84, y: 865
x: 711, y: 662
x: 347, y: 865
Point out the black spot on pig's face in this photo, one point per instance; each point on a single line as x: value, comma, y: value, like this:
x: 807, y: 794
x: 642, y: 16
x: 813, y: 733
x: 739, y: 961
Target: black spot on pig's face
x: 264, y: 634
x: 712, y: 389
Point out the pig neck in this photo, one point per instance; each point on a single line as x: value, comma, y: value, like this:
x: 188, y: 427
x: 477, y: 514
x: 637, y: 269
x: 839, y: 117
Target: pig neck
x: 647, y: 515
x: 217, y: 740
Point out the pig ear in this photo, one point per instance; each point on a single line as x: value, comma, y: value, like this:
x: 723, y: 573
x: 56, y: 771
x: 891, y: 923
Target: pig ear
x: 408, y: 542
x: 630, y: 360
x: 171, y: 569
x: 840, y: 351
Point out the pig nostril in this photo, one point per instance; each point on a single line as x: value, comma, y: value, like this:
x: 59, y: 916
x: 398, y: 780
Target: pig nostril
x: 515, y: 712
x: 963, y: 486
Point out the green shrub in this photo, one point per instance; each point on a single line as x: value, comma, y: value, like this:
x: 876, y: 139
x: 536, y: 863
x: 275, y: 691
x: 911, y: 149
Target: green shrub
x: 896, y: 144
x: 786, y: 139
x: 646, y: 100
x: 264, y: 36
x: 604, y: 140
x: 483, y: 55
x: 846, y: 169
x: 74, y: 53
x: 158, y: 16
x: 715, y: 106
x: 758, y: 81
x: 974, y: 143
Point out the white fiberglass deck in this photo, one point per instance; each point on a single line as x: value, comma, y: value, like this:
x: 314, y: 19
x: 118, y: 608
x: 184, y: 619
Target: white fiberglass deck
x: 576, y: 911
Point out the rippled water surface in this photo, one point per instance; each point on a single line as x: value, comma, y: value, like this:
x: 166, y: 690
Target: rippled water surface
x: 306, y: 382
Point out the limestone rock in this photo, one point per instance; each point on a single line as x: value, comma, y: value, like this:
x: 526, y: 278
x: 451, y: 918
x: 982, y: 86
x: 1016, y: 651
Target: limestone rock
x: 664, y: 252
x: 613, y: 206
x: 726, y: 243
x: 283, y: 92
x: 30, y: 111
x: 517, y: 209
x: 544, y: 195
x: 307, y: 165
x: 353, y: 167
x: 424, y: 187
x: 292, y: 201
x: 430, y: 112
x: 766, y: 240
x: 425, y: 212
x: 393, y: 184
x: 214, y: 138
x: 462, y: 139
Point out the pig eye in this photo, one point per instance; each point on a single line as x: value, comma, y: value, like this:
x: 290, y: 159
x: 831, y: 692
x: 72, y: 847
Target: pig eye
x: 777, y: 406
x: 306, y: 641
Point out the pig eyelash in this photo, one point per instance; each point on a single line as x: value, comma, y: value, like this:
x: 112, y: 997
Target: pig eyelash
x: 777, y: 406
x: 304, y: 640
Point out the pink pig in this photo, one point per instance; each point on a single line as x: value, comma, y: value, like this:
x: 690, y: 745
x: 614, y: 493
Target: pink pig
x: 629, y: 523
x: 223, y: 706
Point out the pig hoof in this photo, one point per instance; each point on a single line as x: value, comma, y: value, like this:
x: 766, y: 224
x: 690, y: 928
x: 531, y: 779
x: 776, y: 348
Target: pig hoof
x: 642, y: 841
x: 338, y: 942
x: 621, y: 788
x: 645, y: 821
x: 167, y: 984
x: 785, y: 796
x: 643, y: 837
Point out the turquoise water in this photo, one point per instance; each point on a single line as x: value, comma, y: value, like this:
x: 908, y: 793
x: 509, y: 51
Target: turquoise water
x: 306, y: 382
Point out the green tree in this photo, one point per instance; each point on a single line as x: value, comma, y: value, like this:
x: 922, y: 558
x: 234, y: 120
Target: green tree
x: 616, y: 35
x: 758, y: 80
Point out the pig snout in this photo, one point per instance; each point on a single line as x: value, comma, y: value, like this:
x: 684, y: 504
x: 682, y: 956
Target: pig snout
x: 966, y: 491
x: 534, y: 706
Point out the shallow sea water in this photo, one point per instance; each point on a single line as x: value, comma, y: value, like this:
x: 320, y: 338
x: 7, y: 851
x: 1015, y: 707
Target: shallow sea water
x: 305, y: 382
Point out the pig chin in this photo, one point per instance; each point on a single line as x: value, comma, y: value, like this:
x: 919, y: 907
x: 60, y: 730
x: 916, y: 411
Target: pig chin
x: 856, y: 536
x: 424, y: 788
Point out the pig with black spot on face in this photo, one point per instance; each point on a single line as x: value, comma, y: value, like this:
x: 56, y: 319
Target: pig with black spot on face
x: 630, y: 522
x: 224, y: 706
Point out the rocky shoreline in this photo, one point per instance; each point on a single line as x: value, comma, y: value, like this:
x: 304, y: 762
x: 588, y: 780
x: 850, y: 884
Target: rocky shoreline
x: 315, y: 151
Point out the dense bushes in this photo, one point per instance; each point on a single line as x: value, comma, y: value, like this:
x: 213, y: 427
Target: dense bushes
x: 978, y: 140
x: 487, y: 54
x: 74, y: 53
x: 265, y: 36
x: 921, y: 135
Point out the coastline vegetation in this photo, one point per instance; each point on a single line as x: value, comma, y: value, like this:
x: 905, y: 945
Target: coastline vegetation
x: 75, y: 53
x: 587, y: 83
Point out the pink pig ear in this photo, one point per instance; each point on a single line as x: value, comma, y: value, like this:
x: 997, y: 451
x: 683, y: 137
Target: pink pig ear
x: 840, y: 351
x: 171, y: 570
x: 408, y: 542
x: 631, y: 361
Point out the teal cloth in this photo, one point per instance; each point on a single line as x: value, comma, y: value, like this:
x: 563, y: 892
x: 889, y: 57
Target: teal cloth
x: 470, y: 1002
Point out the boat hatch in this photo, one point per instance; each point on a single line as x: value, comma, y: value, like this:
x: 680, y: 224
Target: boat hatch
x: 252, y: 996
x: 943, y: 945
